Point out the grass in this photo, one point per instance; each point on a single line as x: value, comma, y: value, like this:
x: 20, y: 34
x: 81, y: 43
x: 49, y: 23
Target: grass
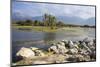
x: 44, y: 29
x: 37, y: 28
x: 75, y: 30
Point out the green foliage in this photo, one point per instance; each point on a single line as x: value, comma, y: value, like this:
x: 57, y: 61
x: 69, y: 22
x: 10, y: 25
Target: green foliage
x: 48, y: 21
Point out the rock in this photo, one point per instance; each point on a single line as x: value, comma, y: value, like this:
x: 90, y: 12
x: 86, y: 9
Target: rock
x: 25, y: 53
x: 73, y: 51
x: 61, y: 43
x: 77, y: 42
x: 93, y: 55
x: 58, y: 48
x: 34, y: 48
x: 62, y: 49
x: 84, y: 52
x: 86, y: 58
x: 76, y: 46
x: 86, y: 40
x: 86, y: 47
x: 71, y: 44
x: 66, y: 43
x: 39, y: 53
x: 53, y: 48
x: 90, y: 43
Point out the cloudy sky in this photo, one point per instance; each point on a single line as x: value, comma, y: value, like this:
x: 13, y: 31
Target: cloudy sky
x: 30, y: 9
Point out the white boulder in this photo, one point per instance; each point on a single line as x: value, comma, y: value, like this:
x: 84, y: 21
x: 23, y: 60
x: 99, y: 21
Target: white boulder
x: 25, y: 53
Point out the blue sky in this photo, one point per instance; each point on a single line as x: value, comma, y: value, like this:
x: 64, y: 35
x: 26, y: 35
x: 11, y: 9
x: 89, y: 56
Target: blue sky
x: 29, y: 9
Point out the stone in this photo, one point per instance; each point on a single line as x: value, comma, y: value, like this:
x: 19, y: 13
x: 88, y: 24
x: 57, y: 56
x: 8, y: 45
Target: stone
x: 39, y: 53
x: 84, y: 52
x: 73, y: 51
x: 76, y: 46
x: 86, y: 40
x: 77, y: 42
x: 61, y: 43
x: 91, y: 43
x: 86, y: 47
x: 61, y: 49
x: 54, y: 49
x: 71, y: 44
x: 58, y: 49
x: 65, y: 41
x: 25, y: 53
x: 34, y: 48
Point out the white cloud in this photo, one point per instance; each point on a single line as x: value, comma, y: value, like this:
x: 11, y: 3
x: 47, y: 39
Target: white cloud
x: 37, y: 9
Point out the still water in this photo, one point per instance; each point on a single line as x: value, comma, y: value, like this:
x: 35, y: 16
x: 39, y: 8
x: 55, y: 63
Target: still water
x: 30, y: 38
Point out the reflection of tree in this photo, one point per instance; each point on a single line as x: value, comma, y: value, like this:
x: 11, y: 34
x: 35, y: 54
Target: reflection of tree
x: 49, y: 37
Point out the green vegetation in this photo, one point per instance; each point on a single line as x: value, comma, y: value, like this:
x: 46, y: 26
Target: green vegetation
x: 48, y: 24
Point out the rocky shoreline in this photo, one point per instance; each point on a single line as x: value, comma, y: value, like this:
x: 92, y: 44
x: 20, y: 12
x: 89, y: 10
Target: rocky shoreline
x: 60, y: 52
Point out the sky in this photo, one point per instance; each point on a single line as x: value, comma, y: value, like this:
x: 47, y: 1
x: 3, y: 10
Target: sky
x: 30, y: 9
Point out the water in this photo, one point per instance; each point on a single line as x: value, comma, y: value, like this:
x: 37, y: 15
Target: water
x: 24, y: 38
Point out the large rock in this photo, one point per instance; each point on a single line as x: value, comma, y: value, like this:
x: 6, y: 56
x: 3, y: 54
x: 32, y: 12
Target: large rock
x: 84, y: 52
x: 73, y: 51
x: 87, y: 40
x: 34, y: 48
x: 25, y: 53
x: 71, y: 44
x: 86, y: 47
x: 66, y: 43
x: 58, y: 48
x: 53, y: 49
x: 61, y: 43
x: 39, y: 53
x: 62, y: 49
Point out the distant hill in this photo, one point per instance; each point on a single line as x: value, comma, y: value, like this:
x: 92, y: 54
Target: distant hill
x: 65, y: 19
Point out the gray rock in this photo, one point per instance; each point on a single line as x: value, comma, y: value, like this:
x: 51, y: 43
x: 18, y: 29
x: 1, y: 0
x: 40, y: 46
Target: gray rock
x: 86, y: 47
x: 77, y: 42
x: 25, y: 53
x: 62, y: 49
x: 90, y: 43
x: 34, y: 48
x: 84, y: 52
x: 86, y: 40
x: 73, y: 51
x: 65, y: 41
x: 39, y: 53
x: 61, y: 43
x: 54, y: 49
x: 71, y: 44
x: 58, y: 48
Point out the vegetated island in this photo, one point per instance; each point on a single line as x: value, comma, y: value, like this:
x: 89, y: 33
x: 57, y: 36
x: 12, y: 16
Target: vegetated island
x: 48, y: 24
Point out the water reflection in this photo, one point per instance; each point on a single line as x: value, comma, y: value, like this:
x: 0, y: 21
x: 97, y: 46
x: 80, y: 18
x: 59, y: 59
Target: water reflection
x: 49, y: 37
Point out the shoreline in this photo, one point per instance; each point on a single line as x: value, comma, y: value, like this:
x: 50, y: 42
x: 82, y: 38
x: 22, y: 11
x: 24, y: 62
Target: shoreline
x: 68, y: 51
x: 47, y: 29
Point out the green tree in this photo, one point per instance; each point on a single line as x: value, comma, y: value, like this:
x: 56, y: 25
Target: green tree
x: 28, y: 22
x: 60, y: 24
x: 37, y: 23
x: 49, y: 20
